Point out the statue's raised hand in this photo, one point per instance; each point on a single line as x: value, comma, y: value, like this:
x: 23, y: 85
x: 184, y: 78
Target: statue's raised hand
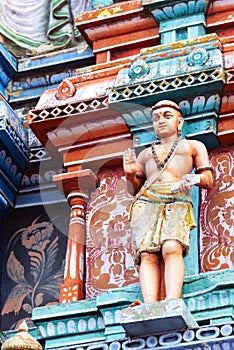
x: 130, y: 162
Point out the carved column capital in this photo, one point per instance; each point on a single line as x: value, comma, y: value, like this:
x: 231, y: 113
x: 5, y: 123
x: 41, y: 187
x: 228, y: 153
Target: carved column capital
x: 80, y: 181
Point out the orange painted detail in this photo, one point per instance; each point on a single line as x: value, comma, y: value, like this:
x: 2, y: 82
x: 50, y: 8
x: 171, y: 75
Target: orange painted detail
x: 220, y: 13
x: 109, y: 254
x: 98, y: 155
x: 70, y: 293
x: 226, y: 119
x: 111, y: 10
x: 73, y: 286
x: 226, y: 128
x: 124, y: 40
x: 216, y: 215
x: 78, y: 181
x: 118, y: 26
x: 75, y: 186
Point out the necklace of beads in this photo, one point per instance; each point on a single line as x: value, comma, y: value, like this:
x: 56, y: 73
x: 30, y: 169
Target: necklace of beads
x: 160, y: 165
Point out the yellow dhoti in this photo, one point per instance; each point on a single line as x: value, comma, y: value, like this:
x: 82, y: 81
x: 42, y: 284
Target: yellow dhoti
x: 159, y: 215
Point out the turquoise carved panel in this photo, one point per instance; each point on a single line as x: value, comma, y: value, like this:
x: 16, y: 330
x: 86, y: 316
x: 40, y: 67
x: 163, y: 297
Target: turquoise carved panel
x: 178, y: 20
x: 167, y: 61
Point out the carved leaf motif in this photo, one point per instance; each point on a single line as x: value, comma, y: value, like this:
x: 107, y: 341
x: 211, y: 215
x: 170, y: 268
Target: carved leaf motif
x: 15, y: 270
x: 16, y: 298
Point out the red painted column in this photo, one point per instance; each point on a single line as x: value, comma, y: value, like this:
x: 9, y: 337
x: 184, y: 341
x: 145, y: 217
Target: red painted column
x: 73, y: 287
x: 76, y: 186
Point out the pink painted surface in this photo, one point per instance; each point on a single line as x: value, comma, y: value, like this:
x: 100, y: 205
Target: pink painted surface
x: 109, y: 253
x: 217, y: 215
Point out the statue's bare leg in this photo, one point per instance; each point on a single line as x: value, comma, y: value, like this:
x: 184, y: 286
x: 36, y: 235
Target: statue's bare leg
x: 172, y: 252
x: 150, y: 276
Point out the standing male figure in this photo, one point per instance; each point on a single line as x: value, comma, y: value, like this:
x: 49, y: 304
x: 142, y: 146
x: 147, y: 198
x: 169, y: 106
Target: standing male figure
x: 162, y: 214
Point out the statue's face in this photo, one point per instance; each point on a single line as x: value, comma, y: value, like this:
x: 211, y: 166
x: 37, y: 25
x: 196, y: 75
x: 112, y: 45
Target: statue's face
x: 167, y: 121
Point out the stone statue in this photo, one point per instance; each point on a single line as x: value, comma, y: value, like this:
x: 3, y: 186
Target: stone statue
x: 40, y: 26
x: 162, y: 214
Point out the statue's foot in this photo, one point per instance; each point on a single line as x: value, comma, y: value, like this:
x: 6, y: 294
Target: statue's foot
x: 136, y: 302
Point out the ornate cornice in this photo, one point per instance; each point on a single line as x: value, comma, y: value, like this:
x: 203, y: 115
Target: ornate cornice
x: 14, y: 152
x: 67, y: 110
x: 118, y: 30
x: 142, y: 90
x: 164, y: 10
x: 35, y: 75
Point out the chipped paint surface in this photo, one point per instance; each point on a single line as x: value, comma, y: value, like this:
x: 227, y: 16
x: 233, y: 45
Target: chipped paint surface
x: 87, y: 125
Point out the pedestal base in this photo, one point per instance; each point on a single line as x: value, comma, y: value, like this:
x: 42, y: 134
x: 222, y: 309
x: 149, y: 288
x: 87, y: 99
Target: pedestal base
x: 157, y: 318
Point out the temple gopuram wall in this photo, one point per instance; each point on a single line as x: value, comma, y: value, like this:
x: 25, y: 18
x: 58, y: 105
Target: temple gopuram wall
x: 73, y: 96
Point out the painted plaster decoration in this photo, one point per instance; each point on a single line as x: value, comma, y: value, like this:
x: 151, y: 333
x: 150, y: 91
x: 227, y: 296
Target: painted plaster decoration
x: 198, y: 56
x: 165, y: 70
x: 40, y: 248
x: 138, y: 69
x: 217, y: 215
x: 52, y: 23
x: 9, y: 166
x: 65, y: 89
x: 100, y: 3
x: 177, y: 9
x: 109, y: 252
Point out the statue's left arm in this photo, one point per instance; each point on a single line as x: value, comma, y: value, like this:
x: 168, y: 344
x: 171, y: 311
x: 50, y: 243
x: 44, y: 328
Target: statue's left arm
x: 202, y: 164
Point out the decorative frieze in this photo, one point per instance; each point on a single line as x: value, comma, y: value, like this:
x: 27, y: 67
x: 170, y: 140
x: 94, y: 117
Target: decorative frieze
x: 37, y: 74
x: 65, y: 110
x: 13, y: 152
x: 191, y: 67
x: 143, y: 90
x: 178, y: 20
x: 119, y: 30
x: 216, y: 215
x: 166, y: 62
x: 218, y: 338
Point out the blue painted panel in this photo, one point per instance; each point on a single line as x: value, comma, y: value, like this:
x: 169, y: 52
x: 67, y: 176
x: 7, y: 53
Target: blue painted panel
x: 8, y: 67
x: 4, y: 77
x: 182, y: 22
x: 7, y: 194
x: 32, y: 93
x: 53, y: 59
x: 3, y: 91
x: 8, y: 61
x: 17, y: 153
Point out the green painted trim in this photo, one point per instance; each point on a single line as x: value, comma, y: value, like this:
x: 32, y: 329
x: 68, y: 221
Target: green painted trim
x: 17, y: 38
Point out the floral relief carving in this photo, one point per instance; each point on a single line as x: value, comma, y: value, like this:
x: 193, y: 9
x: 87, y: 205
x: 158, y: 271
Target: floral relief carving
x: 36, y: 277
x: 109, y: 253
x: 66, y: 89
x: 217, y: 215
